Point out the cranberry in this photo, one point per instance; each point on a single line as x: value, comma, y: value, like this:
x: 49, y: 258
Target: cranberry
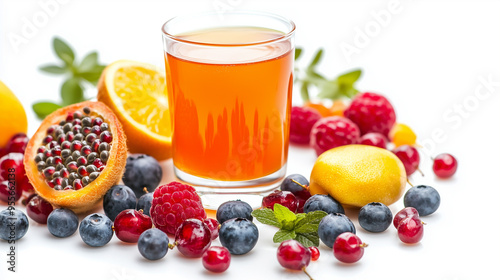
x: 411, y: 230
x: 293, y: 255
x: 445, y: 165
x: 130, y: 224
x: 403, y: 214
x: 314, y: 253
x: 7, y: 191
x: 302, y: 120
x: 38, y: 209
x: 193, y: 238
x: 348, y: 248
x: 409, y: 157
x: 216, y: 259
x: 11, y: 167
x: 285, y: 198
x: 374, y: 139
x: 213, y: 225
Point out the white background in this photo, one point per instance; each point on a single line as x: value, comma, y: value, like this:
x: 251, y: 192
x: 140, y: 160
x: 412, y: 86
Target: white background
x: 428, y: 58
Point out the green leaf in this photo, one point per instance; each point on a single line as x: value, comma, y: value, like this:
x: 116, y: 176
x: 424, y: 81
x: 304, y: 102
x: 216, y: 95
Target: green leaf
x: 282, y: 235
x: 310, y: 222
x: 63, y: 51
x: 266, y: 216
x: 71, y: 92
x: 316, y: 59
x: 93, y: 75
x: 54, y: 69
x: 288, y: 225
x: 329, y: 90
x: 308, y: 239
x: 88, y: 62
x: 298, y: 52
x: 350, y: 77
x: 304, y: 92
x: 315, y: 216
x: 283, y: 214
x: 43, y: 108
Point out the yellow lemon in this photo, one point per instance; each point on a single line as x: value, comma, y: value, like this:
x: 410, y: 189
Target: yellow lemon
x: 13, y: 117
x: 356, y: 175
x: 137, y: 94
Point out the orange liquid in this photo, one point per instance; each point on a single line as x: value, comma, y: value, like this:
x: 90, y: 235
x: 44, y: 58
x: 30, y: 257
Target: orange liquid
x: 230, y: 107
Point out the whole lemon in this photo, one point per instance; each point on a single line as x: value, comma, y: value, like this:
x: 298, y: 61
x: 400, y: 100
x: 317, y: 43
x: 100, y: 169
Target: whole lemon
x: 356, y: 175
x: 13, y: 117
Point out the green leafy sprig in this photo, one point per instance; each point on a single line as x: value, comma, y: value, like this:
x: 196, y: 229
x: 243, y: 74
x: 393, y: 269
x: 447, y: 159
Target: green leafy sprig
x: 342, y: 86
x: 301, y: 227
x: 77, y: 75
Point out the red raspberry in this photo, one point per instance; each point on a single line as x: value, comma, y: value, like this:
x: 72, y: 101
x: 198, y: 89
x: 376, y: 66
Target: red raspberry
x: 372, y: 113
x: 172, y: 204
x: 333, y: 132
x: 302, y: 120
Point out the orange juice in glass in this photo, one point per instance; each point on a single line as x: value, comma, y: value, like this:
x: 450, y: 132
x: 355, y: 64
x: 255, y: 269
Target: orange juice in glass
x: 229, y: 79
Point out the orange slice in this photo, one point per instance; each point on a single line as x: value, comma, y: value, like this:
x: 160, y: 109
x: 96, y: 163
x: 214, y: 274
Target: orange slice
x: 137, y: 93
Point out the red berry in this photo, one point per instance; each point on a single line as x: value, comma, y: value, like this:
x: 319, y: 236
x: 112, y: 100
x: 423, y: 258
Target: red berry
x: 293, y: 255
x: 411, y: 230
x: 9, y: 192
x: 25, y: 185
x: 374, y: 139
x: 216, y: 259
x: 130, y: 224
x: 302, y: 120
x: 172, y: 204
x: 193, y: 237
x: 409, y: 157
x: 348, y: 248
x: 403, y: 214
x: 17, y: 144
x: 213, y: 225
x: 38, y: 209
x: 11, y: 167
x: 372, y: 113
x: 445, y: 165
x: 314, y: 253
x: 285, y: 198
x: 332, y: 132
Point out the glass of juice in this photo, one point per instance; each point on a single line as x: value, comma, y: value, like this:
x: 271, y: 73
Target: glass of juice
x: 229, y: 81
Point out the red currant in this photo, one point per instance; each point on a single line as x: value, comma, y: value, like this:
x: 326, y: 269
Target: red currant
x: 12, y: 165
x: 6, y: 192
x: 314, y: 253
x: 38, y: 209
x: 285, y: 198
x: 293, y: 255
x: 216, y: 259
x: 409, y: 156
x: 445, y: 165
x: 411, y: 230
x: 348, y: 248
x: 213, y: 225
x: 374, y: 139
x: 193, y: 237
x: 130, y: 224
x: 403, y: 214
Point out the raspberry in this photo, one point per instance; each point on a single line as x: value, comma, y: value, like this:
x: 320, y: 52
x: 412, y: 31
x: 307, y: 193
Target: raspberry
x: 172, y: 204
x: 333, y: 132
x: 301, y: 121
x: 372, y: 113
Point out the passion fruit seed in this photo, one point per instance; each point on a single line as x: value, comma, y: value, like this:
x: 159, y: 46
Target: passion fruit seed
x: 78, y: 155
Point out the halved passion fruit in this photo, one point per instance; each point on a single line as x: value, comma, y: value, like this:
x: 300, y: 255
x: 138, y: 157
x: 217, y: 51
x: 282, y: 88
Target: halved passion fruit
x: 76, y: 155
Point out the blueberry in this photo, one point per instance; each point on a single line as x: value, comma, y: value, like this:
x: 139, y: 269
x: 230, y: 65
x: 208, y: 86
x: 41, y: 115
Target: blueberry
x: 142, y: 171
x: 423, y: 198
x: 62, y: 222
x: 153, y: 244
x: 234, y: 209
x: 13, y: 224
x: 96, y: 230
x: 324, y: 203
x: 144, y: 203
x: 117, y: 199
x: 375, y: 217
x: 238, y: 235
x: 332, y: 226
x: 291, y: 186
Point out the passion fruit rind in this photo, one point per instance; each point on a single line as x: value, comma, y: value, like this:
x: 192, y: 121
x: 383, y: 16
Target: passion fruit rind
x: 86, y: 198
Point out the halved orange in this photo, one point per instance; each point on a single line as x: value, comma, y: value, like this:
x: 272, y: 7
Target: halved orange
x: 137, y: 93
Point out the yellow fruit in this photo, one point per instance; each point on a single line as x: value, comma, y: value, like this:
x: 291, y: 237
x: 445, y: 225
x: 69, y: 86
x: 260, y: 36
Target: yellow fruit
x: 401, y: 134
x: 356, y: 175
x: 13, y: 117
x: 137, y: 93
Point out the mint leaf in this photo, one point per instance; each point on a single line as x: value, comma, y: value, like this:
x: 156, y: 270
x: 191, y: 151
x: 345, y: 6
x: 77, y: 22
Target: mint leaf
x: 88, y: 62
x: 310, y: 222
x: 316, y: 59
x: 63, y: 51
x: 71, y: 92
x: 43, y: 109
x: 53, y: 69
x: 283, y: 214
x: 350, y: 77
x: 315, y: 216
x: 93, y: 75
x: 282, y: 235
x: 298, y: 52
x: 266, y: 216
x: 308, y: 239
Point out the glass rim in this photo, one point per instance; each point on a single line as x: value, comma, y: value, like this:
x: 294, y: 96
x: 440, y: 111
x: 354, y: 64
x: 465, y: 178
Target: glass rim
x: 238, y: 12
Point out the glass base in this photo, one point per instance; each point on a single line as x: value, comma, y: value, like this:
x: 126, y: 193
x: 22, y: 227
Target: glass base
x: 213, y: 193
